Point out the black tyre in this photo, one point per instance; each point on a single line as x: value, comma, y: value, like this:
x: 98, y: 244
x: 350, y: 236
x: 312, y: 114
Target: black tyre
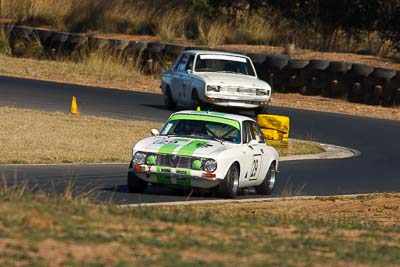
x: 268, y: 184
x: 168, y: 101
x: 229, y: 186
x: 298, y: 63
x: 277, y: 61
x: 339, y: 66
x: 382, y: 73
x: 361, y: 70
x: 261, y: 110
x: 318, y: 64
x: 135, y: 184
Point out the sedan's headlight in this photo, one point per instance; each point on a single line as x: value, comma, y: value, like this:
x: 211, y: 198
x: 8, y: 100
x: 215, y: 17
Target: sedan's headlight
x: 139, y: 158
x: 213, y: 88
x: 210, y: 165
x: 262, y: 92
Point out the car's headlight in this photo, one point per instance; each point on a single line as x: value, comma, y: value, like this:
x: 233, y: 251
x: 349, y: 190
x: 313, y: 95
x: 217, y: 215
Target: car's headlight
x: 213, y: 88
x: 210, y: 165
x: 139, y: 158
x: 262, y: 92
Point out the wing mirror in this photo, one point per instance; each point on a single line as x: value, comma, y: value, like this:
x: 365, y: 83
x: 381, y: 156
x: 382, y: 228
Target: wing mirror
x: 154, y: 132
x: 189, y: 71
x: 253, y: 143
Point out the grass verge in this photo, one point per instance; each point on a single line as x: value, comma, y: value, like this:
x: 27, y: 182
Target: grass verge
x: 41, y: 230
x: 31, y: 136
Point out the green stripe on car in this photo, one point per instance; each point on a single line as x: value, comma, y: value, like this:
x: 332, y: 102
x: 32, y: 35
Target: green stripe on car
x: 190, y: 148
x: 167, y: 148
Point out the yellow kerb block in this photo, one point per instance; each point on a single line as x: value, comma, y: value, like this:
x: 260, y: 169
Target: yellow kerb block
x: 281, y: 124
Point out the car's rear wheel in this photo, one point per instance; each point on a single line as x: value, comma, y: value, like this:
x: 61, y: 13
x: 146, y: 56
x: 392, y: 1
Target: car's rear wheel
x: 229, y: 186
x: 268, y: 184
x: 168, y: 101
x: 135, y: 184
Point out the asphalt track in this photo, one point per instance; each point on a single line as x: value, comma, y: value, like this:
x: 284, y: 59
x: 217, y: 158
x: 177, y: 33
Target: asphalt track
x: 377, y: 169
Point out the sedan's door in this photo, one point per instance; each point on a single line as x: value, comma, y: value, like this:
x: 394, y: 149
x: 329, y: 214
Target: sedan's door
x: 182, y: 79
x: 254, y: 150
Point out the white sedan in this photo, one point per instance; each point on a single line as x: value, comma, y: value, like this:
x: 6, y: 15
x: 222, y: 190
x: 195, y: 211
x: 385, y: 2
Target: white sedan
x: 202, y: 78
x: 201, y: 149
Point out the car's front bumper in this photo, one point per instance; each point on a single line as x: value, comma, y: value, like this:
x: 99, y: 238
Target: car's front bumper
x: 175, y: 176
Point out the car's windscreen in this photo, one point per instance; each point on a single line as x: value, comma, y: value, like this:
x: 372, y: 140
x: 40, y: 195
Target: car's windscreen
x: 223, y: 63
x: 208, y: 130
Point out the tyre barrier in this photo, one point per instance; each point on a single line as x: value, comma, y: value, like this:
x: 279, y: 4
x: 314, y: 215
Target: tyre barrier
x: 356, y: 82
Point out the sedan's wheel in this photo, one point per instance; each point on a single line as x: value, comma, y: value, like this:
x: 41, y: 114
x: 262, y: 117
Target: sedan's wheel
x: 268, y: 184
x: 135, y: 184
x: 261, y: 110
x: 229, y: 186
x: 168, y: 101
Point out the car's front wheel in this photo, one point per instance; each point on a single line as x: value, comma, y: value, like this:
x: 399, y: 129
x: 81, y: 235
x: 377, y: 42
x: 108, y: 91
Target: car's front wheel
x: 135, y: 184
x: 229, y: 186
x: 268, y: 184
x: 261, y: 110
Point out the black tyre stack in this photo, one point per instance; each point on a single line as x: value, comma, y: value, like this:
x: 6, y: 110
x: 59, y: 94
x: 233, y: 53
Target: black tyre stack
x: 316, y: 77
x: 336, y: 79
x: 358, y: 84
x: 295, y: 74
x: 276, y: 65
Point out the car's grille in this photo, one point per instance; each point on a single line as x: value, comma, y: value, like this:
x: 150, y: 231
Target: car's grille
x: 238, y: 90
x: 175, y: 161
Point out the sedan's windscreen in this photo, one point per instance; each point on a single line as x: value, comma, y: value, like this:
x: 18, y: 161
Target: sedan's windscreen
x: 222, y: 63
x: 202, y: 129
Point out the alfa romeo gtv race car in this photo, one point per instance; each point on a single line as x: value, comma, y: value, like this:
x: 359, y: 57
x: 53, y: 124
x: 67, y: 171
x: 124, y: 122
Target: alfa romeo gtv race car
x: 208, y: 150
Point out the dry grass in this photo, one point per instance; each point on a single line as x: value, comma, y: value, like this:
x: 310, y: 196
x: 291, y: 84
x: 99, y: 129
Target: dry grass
x: 329, y: 231
x: 30, y: 136
x: 97, y: 70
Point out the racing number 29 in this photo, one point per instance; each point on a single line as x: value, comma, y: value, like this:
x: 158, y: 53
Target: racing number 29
x: 254, y: 167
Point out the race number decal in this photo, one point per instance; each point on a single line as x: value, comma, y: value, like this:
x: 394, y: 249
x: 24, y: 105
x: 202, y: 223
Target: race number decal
x: 255, y: 167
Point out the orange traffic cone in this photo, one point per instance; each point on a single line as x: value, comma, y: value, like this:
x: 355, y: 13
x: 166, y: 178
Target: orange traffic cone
x: 74, y: 107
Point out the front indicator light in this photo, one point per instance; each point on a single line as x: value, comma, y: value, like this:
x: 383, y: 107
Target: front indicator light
x: 209, y: 175
x: 138, y: 168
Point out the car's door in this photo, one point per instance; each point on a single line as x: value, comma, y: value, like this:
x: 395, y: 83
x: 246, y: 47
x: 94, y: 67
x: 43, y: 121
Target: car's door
x: 254, y: 152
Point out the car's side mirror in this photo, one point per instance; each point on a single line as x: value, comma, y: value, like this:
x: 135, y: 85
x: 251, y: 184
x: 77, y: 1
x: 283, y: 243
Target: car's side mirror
x: 189, y: 71
x: 253, y: 143
x: 154, y: 132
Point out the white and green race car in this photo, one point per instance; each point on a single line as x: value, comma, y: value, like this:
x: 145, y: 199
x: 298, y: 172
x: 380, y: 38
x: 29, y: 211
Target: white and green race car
x: 209, y: 150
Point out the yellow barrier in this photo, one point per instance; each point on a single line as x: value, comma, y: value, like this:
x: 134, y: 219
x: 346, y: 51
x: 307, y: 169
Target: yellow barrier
x: 275, y: 128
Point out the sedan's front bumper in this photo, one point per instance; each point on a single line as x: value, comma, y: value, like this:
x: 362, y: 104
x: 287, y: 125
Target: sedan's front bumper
x: 243, y: 101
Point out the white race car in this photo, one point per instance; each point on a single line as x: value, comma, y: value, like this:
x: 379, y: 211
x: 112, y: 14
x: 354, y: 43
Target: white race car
x: 203, y: 78
x: 203, y: 149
